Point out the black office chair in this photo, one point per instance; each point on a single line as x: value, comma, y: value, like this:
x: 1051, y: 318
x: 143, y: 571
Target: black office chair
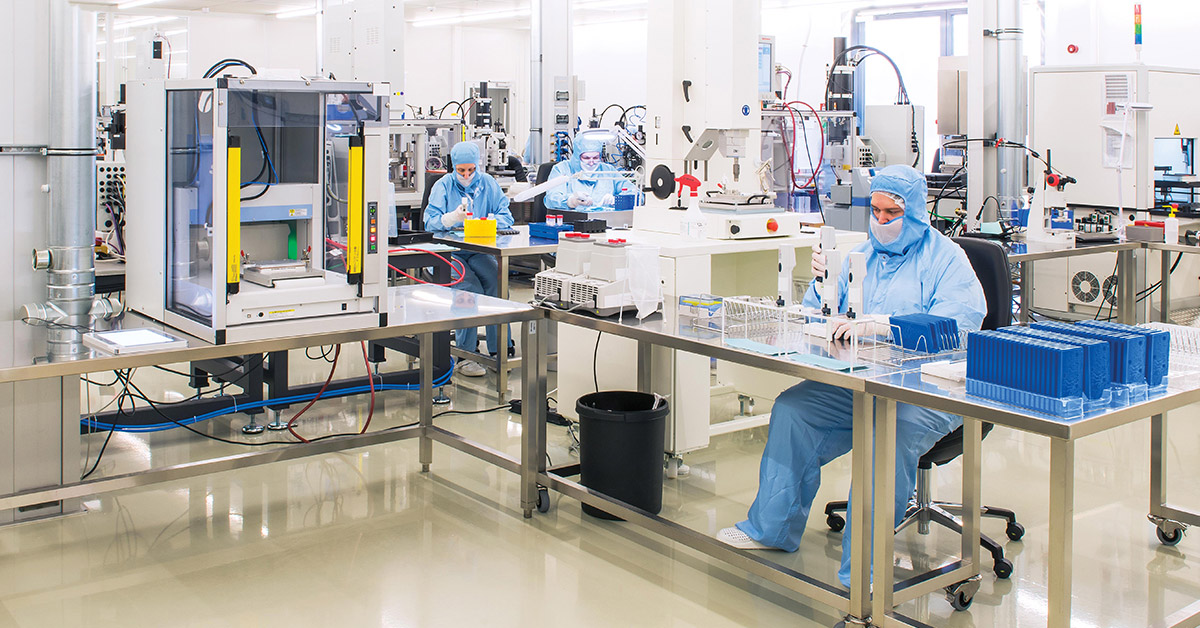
x: 539, y: 201
x: 990, y: 263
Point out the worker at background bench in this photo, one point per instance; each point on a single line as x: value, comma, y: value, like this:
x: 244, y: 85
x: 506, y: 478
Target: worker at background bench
x: 470, y: 190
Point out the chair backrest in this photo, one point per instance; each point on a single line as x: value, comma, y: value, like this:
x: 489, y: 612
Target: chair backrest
x: 539, y: 201
x: 990, y: 263
x: 430, y: 179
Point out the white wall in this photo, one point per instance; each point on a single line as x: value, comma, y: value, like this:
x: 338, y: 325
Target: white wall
x: 610, y: 58
x: 440, y: 60
x: 1103, y: 31
x: 264, y: 42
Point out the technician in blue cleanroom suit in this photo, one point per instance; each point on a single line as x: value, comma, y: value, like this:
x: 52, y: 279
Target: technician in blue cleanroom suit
x: 910, y: 268
x: 446, y: 211
x: 595, y: 189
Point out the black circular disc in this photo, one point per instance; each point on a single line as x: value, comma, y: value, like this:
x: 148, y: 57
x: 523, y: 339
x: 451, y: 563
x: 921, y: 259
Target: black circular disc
x: 662, y: 182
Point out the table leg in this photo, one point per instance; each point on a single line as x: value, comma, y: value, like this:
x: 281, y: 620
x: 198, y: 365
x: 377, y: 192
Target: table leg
x: 1164, y: 298
x: 425, y: 355
x: 860, y: 484
x: 971, y: 489
x: 644, y: 366
x: 533, y: 415
x: 884, y: 499
x: 1026, y: 291
x: 502, y: 332
x: 1062, y: 514
x: 1126, y: 288
x: 1158, y: 464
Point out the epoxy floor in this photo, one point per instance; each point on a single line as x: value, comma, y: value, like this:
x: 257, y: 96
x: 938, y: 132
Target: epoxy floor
x: 363, y: 538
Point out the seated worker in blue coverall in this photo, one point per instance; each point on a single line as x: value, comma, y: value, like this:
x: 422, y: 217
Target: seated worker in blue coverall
x: 910, y: 268
x: 446, y: 212
x: 595, y: 189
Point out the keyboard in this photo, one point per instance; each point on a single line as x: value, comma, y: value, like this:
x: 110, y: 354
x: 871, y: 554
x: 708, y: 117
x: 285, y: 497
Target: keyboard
x: 501, y: 232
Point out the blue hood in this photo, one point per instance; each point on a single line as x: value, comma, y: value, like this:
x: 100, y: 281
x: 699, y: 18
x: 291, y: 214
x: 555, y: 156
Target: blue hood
x: 909, y: 184
x: 466, y: 153
x: 581, y: 145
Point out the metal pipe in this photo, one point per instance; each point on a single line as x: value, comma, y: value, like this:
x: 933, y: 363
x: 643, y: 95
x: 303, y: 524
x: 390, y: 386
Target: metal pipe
x: 535, y: 80
x: 1010, y: 117
x: 72, y: 218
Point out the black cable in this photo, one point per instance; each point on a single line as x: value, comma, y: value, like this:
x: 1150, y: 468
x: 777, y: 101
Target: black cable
x: 903, y: 98
x: 1111, y: 300
x: 111, y: 428
x: 227, y: 63
x: 261, y: 360
x: 595, y: 352
x: 189, y: 428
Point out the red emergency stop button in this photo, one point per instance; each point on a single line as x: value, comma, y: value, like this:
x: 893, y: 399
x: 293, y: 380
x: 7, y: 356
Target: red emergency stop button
x: 772, y: 225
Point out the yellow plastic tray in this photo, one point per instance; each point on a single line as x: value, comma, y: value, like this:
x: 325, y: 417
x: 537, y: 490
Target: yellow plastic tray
x: 480, y: 228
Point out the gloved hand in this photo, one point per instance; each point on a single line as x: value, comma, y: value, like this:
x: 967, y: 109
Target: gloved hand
x: 576, y: 199
x: 454, y: 218
x: 818, y: 261
x: 864, y: 327
x: 607, y: 201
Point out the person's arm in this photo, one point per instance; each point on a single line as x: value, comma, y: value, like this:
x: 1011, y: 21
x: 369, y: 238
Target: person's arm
x: 498, y: 205
x: 437, y: 207
x: 957, y: 293
x: 556, y: 198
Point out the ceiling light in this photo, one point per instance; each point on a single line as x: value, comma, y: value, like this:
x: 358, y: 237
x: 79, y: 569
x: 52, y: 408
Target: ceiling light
x: 122, y: 40
x: 483, y: 16
x: 178, y: 31
x: 129, y: 4
x: 301, y: 12
x: 144, y: 21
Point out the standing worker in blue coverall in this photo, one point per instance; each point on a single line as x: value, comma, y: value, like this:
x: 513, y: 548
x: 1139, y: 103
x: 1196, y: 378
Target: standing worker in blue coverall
x: 910, y: 268
x: 446, y: 212
x: 595, y: 189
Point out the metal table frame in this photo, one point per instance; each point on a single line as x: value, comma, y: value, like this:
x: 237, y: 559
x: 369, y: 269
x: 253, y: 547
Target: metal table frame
x: 1063, y: 436
x: 502, y: 248
x: 425, y: 430
x: 867, y: 432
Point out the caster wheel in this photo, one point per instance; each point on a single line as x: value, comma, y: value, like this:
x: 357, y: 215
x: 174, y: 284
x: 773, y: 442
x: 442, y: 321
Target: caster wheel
x: 835, y: 522
x: 960, y: 601
x: 1015, y: 531
x: 1003, y: 568
x: 543, y: 499
x: 1169, y: 538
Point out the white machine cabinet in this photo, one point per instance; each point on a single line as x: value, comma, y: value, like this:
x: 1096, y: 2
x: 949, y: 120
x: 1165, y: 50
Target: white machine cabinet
x: 258, y: 208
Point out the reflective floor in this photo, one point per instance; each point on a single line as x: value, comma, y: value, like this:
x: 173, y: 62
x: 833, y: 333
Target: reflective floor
x: 363, y: 538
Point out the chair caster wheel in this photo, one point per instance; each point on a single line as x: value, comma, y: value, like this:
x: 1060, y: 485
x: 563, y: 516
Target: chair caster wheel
x: 543, y: 499
x: 1003, y: 568
x: 835, y: 522
x: 1015, y: 531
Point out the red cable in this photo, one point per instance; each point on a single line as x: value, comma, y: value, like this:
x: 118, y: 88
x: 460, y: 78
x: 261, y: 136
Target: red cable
x: 462, y: 271
x: 337, y: 351
x: 820, y: 159
x: 371, y: 381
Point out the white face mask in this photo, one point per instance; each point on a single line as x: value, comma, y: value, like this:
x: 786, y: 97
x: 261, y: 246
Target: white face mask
x: 887, y: 233
x: 465, y: 180
x: 589, y: 165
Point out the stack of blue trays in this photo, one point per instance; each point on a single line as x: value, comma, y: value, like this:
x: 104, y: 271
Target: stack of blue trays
x: 1097, y: 369
x: 1158, y: 351
x: 925, y: 332
x: 547, y: 232
x: 1128, y: 357
x: 1027, y: 372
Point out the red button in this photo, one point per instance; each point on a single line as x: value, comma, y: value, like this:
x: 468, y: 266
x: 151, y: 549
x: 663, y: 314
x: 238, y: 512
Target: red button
x: 772, y: 225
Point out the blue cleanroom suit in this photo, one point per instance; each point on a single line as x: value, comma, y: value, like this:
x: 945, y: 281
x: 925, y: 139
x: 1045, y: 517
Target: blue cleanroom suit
x: 599, y: 186
x: 486, y: 200
x: 921, y: 270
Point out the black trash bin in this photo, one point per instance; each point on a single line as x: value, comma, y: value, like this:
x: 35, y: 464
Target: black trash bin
x: 621, y: 436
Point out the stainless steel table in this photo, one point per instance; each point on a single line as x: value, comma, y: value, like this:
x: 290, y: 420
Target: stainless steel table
x: 666, y: 330
x: 1019, y: 252
x: 912, y: 388
x: 417, y: 311
x: 502, y: 248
